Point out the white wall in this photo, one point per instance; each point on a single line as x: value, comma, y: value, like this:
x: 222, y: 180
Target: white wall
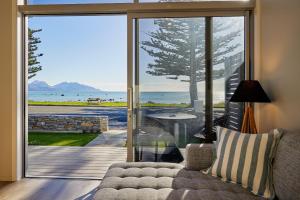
x: 277, y: 64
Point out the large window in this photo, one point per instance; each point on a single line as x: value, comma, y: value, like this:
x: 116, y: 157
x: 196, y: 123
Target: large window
x: 228, y: 69
x: 175, y: 105
x: 77, y: 116
x: 184, y: 61
x: 47, y: 2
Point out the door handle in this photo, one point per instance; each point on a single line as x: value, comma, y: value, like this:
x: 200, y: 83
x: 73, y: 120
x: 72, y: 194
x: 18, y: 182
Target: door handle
x: 129, y: 90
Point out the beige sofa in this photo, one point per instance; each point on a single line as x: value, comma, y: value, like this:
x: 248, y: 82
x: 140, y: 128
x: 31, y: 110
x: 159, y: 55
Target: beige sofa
x: 169, y: 181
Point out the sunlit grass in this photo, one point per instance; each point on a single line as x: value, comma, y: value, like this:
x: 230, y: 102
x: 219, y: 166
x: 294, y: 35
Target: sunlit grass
x: 219, y: 105
x: 60, y: 139
x: 112, y: 104
x: 100, y: 104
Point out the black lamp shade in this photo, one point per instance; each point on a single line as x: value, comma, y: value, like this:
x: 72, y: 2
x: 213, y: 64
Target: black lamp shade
x: 250, y: 91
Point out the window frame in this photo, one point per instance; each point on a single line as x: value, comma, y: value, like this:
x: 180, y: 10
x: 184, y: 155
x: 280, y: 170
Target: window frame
x: 136, y: 7
x: 134, y: 10
x: 133, y: 69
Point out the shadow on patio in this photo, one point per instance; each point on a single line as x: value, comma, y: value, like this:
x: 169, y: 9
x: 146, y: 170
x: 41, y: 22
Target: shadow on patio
x: 91, y: 161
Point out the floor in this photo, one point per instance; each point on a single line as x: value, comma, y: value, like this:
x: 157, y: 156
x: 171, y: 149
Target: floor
x: 111, y: 138
x: 48, y: 189
x: 78, y: 162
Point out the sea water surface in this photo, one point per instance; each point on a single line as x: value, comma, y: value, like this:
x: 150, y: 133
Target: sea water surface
x: 157, y: 97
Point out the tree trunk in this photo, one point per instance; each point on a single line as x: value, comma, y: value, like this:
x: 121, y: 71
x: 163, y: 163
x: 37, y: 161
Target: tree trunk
x: 193, y: 63
x: 193, y: 91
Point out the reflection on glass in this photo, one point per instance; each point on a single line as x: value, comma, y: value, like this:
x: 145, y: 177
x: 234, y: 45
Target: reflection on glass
x: 165, y: 1
x: 228, y: 66
x: 171, y: 82
x: 171, y: 92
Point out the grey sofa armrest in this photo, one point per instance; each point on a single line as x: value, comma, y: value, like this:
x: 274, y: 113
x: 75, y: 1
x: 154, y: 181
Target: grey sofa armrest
x: 199, y: 156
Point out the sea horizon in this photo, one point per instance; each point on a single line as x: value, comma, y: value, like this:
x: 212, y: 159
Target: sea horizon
x: 119, y: 96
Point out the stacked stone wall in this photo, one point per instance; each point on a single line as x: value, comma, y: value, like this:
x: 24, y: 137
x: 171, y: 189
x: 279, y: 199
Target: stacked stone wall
x: 77, y: 123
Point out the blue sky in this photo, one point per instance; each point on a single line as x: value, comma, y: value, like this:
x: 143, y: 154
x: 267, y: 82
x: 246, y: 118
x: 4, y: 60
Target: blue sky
x: 97, y: 1
x: 92, y: 50
x: 76, y: 1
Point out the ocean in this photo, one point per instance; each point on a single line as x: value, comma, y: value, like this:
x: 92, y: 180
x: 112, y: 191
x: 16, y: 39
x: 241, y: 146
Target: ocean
x: 157, y: 97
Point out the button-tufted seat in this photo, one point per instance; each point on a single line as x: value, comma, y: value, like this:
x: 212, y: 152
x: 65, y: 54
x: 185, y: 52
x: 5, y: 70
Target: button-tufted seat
x: 169, y: 181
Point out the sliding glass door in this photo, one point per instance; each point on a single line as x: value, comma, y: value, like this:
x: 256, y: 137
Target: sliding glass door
x: 184, y: 69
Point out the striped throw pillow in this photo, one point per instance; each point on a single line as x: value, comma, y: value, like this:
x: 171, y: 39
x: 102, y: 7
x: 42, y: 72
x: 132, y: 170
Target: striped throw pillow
x: 246, y: 159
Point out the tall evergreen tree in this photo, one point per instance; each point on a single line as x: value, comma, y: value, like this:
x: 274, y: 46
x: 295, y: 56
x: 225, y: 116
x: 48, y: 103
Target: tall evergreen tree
x: 33, y: 63
x: 178, y: 49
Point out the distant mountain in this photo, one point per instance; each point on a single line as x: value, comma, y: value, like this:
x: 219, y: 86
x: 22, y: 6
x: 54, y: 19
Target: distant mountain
x: 61, y: 87
x: 73, y: 86
x: 39, y: 86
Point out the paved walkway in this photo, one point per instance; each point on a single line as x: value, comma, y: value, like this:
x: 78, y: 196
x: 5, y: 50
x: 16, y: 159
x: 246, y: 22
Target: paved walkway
x: 112, y: 138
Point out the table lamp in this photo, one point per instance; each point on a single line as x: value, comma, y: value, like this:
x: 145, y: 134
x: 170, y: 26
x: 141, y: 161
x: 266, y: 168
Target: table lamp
x: 249, y: 91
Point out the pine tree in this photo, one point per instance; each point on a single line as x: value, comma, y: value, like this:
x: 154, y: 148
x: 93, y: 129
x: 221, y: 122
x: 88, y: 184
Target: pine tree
x: 178, y: 49
x: 33, y: 63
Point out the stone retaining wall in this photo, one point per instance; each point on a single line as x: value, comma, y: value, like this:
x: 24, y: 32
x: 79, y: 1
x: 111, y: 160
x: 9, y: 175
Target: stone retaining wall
x: 76, y: 123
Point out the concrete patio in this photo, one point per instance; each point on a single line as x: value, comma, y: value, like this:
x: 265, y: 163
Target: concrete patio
x: 111, y: 138
x: 90, y: 161
x: 77, y: 162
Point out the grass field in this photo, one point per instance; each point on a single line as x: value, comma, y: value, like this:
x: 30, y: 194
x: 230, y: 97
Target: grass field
x: 110, y: 104
x: 219, y: 105
x: 60, y: 139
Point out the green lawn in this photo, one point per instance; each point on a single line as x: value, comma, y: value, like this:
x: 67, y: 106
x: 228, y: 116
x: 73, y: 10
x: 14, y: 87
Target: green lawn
x: 219, y: 105
x: 60, y: 139
x: 111, y: 104
x: 102, y: 104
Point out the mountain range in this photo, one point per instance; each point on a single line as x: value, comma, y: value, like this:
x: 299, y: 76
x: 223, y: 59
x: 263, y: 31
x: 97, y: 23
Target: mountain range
x: 61, y: 87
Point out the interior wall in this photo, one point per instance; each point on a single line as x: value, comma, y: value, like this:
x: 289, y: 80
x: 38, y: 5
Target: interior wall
x: 8, y: 105
x: 277, y: 64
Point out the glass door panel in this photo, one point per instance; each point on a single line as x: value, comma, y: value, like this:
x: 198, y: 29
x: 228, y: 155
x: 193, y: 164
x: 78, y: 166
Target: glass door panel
x: 170, y: 87
x: 229, y: 70
x: 171, y: 106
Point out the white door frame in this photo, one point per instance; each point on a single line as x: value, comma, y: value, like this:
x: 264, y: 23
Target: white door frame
x: 133, y: 11
x: 132, y: 69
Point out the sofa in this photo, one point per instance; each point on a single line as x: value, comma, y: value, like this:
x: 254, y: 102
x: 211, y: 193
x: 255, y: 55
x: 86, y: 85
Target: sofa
x: 170, y: 181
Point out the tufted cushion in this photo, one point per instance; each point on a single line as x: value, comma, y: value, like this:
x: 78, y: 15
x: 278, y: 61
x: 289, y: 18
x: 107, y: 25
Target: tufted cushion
x: 165, y: 181
x: 199, y: 156
x: 286, y: 171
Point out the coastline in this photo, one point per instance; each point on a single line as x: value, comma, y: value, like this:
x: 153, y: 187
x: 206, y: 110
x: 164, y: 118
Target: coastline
x: 118, y: 104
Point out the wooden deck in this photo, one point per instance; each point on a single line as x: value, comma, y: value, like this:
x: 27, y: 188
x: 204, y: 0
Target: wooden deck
x: 48, y: 189
x: 77, y: 162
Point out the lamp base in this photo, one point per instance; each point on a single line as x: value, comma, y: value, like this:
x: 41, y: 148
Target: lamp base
x: 248, y: 125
